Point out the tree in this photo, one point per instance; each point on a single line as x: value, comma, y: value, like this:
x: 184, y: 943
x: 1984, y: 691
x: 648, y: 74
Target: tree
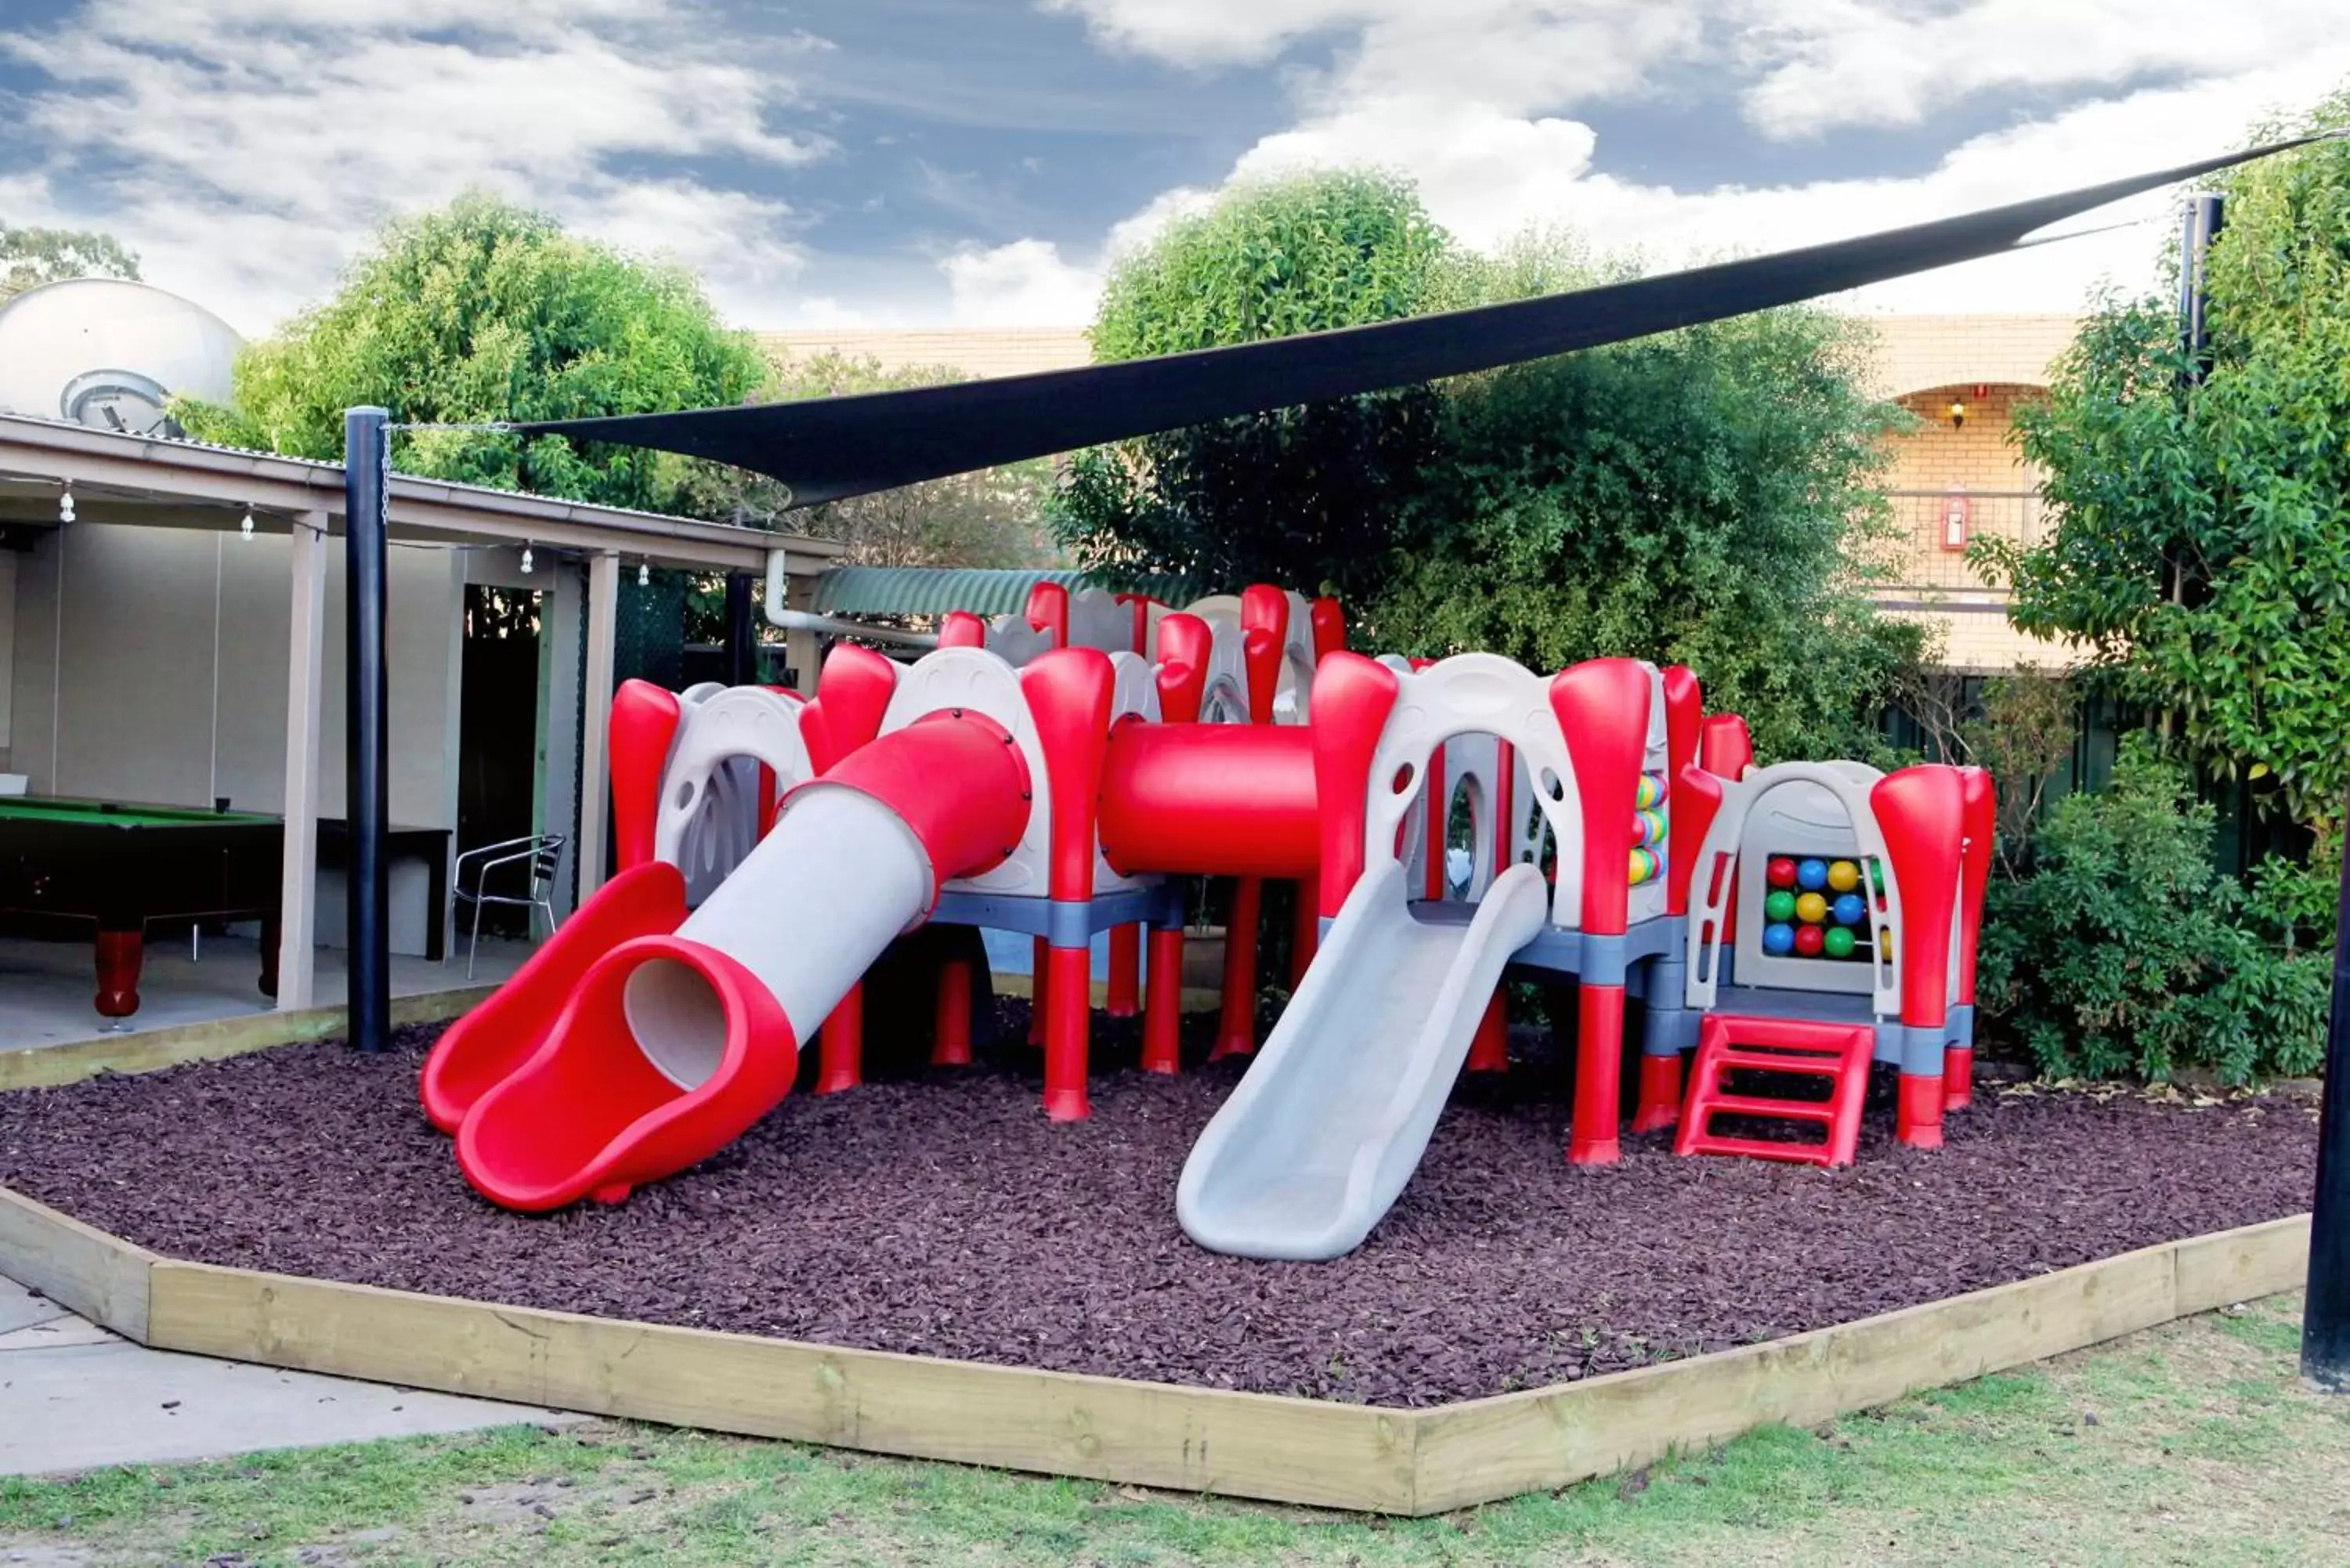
x: 30, y: 257
x: 990, y: 518
x: 1702, y: 497
x: 485, y: 312
x: 1301, y: 496
x: 2202, y: 547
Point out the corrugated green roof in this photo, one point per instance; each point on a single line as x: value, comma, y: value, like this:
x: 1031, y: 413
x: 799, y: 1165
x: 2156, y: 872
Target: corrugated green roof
x: 934, y: 590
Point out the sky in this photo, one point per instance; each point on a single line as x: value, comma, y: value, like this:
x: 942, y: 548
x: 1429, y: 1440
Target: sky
x: 925, y: 164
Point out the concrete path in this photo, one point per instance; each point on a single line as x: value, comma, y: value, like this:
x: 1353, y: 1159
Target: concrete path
x: 75, y: 1397
x: 49, y: 986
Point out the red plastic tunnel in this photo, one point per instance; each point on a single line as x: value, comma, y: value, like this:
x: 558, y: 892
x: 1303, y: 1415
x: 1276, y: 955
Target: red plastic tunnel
x: 1221, y: 799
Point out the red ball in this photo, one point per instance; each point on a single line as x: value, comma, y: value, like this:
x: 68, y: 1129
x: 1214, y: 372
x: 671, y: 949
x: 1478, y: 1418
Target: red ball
x: 1809, y: 940
x: 1781, y: 872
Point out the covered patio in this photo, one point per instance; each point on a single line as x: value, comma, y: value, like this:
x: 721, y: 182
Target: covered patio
x: 172, y: 634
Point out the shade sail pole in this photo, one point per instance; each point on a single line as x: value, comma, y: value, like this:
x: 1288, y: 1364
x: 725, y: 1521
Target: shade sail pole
x: 367, y: 756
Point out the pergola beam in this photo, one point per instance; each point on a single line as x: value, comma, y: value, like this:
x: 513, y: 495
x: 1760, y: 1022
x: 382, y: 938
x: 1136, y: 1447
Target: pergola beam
x: 181, y: 477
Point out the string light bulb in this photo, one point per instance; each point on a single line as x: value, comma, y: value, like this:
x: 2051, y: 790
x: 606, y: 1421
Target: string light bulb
x: 245, y: 529
x: 525, y: 561
x: 644, y: 574
x: 66, y: 504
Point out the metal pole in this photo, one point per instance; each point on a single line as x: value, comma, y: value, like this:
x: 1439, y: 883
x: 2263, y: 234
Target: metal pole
x: 2204, y: 217
x: 368, y: 787
x: 742, y: 632
x: 2326, y: 1311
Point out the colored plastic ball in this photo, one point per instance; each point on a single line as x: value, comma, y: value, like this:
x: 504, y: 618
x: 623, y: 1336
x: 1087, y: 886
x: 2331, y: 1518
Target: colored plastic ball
x: 1652, y: 826
x: 1778, y: 940
x: 1811, y: 909
x: 1645, y: 865
x: 1781, y: 872
x: 1648, y: 792
x: 1812, y: 874
x: 1843, y: 876
x: 1779, y: 905
x: 1849, y: 909
x: 1884, y: 943
x: 1837, y: 943
x: 1809, y: 940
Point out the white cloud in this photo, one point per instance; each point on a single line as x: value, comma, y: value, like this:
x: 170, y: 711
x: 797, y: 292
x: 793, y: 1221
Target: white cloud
x: 1132, y: 234
x: 1807, y: 64
x: 1464, y: 95
x: 1843, y: 62
x: 246, y: 147
x: 1023, y: 284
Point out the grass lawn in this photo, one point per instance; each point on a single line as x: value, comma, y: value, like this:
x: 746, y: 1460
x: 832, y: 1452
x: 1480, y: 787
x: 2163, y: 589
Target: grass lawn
x: 2191, y: 1443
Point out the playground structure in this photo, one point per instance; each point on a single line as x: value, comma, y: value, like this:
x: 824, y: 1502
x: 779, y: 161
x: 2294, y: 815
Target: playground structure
x: 1061, y: 772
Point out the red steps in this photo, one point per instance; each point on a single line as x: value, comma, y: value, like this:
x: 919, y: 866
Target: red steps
x: 1729, y: 1043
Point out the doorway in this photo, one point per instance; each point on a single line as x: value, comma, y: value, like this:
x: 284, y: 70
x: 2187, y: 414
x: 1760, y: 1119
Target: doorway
x: 498, y: 732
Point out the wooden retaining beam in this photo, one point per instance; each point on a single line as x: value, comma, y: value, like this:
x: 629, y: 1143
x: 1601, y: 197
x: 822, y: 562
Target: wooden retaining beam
x: 83, y: 1269
x: 1268, y: 1446
x: 1102, y: 1428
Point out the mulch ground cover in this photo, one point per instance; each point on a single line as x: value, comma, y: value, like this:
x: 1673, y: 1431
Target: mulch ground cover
x: 941, y: 1214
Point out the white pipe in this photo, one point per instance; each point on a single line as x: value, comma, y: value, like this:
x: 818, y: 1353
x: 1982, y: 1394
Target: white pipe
x: 807, y: 620
x: 778, y: 587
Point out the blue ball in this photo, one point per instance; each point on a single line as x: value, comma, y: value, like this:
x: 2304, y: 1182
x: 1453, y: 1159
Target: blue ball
x: 1849, y: 909
x: 1812, y: 874
x: 1778, y: 939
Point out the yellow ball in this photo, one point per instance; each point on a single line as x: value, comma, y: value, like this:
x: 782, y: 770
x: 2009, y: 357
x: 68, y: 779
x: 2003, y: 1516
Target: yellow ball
x: 1885, y: 941
x: 1811, y: 909
x: 1648, y: 792
x: 1843, y: 876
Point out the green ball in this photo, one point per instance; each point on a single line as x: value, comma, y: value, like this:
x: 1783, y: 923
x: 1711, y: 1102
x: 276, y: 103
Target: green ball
x: 1779, y: 906
x: 1839, y: 942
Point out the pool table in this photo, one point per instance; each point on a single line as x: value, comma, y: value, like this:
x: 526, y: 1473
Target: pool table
x: 121, y: 865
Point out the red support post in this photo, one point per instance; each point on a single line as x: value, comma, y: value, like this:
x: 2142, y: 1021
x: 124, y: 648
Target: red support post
x: 950, y: 1047
x: 840, y: 1053
x: 1162, y: 1020
x: 1598, y: 1073
x: 1602, y: 707
x: 1921, y: 810
x: 1236, y: 1030
x: 1661, y: 1093
x: 1125, y: 972
x: 1067, y: 1005
x: 1488, y: 1051
x: 1068, y: 691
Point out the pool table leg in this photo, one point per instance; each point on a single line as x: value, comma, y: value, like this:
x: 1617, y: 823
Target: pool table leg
x: 270, y: 936
x: 120, y: 954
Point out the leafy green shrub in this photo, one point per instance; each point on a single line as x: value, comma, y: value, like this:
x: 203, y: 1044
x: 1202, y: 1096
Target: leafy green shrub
x: 2125, y: 953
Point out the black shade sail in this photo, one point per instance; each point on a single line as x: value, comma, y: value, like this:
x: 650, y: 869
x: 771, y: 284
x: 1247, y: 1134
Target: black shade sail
x: 826, y: 449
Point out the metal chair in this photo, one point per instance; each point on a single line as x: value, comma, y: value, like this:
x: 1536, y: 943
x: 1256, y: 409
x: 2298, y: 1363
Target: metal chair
x: 542, y: 853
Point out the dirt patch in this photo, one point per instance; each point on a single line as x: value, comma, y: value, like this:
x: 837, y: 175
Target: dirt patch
x: 941, y: 1214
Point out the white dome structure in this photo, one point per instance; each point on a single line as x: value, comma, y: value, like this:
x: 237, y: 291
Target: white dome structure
x: 108, y: 353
